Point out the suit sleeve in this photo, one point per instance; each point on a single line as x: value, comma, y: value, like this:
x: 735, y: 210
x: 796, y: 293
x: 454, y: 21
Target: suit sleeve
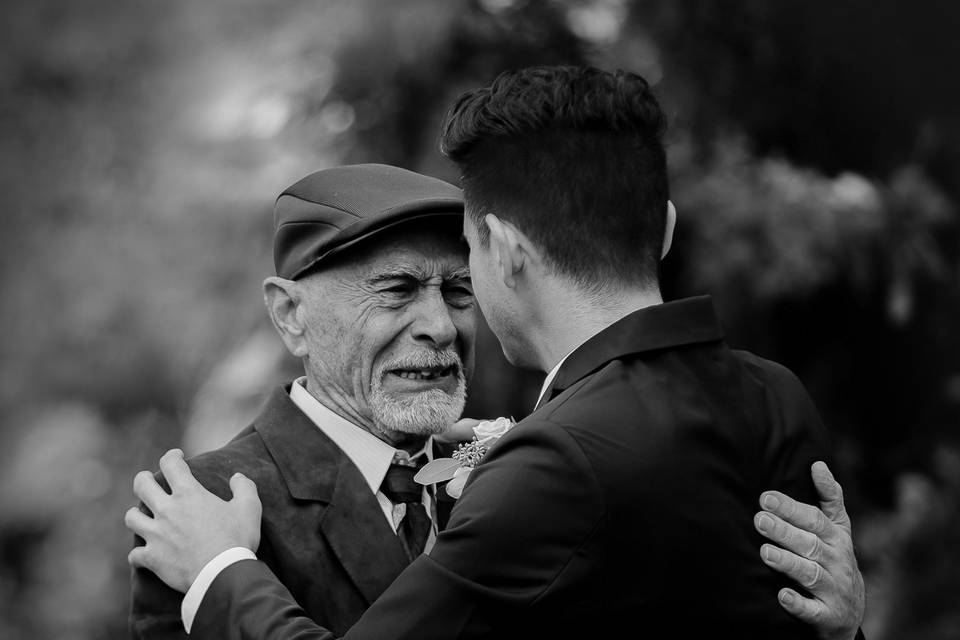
x: 525, y: 512
x: 154, y: 607
x: 798, y: 437
x: 804, y: 439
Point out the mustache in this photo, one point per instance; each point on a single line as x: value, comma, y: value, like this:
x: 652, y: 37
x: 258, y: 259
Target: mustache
x: 423, y: 360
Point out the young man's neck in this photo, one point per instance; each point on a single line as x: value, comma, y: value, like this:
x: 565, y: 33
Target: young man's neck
x: 570, y: 317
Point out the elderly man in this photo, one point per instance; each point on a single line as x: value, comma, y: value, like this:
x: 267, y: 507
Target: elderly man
x: 372, y: 292
x: 384, y: 323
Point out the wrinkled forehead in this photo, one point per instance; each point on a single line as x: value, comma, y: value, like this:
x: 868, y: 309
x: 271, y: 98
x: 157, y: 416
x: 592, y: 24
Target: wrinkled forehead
x: 421, y: 250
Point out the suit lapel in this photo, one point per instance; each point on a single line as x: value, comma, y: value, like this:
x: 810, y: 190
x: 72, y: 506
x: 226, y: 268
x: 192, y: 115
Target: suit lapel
x: 442, y: 500
x: 315, y: 469
x: 444, y: 506
x: 353, y: 524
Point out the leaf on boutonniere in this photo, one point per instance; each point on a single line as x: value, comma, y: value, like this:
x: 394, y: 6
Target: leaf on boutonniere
x: 439, y: 470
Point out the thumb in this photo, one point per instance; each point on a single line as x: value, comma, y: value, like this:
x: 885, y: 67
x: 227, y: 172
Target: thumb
x: 245, y: 492
x: 831, y: 494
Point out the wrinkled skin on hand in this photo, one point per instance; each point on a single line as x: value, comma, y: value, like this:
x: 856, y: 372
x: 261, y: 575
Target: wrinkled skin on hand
x: 189, y: 526
x: 817, y: 552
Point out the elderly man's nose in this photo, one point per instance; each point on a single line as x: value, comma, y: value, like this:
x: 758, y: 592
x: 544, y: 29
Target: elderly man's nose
x: 434, y: 323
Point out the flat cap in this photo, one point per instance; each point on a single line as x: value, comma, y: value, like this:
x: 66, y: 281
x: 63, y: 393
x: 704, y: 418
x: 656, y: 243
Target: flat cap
x: 331, y: 210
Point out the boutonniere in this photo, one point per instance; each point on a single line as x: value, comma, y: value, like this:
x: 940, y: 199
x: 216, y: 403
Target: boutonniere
x: 468, y: 455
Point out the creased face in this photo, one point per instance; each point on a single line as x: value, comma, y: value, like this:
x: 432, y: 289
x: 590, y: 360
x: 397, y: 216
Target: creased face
x: 391, y: 331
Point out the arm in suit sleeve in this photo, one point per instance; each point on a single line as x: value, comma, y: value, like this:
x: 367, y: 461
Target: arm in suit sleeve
x: 524, y: 513
x: 797, y: 437
x: 154, y: 607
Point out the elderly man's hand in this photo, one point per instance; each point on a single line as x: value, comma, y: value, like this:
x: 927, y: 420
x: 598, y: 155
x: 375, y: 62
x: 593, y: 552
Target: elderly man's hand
x: 190, y: 526
x: 818, y: 554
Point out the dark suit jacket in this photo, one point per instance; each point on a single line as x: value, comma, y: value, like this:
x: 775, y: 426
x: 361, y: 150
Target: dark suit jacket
x: 624, y: 504
x: 323, y: 531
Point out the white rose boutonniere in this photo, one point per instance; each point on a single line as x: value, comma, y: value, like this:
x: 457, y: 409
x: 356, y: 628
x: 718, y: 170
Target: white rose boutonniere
x: 489, y: 431
x: 457, y: 469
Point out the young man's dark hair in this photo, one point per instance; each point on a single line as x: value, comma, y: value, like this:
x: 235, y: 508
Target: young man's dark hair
x: 574, y: 157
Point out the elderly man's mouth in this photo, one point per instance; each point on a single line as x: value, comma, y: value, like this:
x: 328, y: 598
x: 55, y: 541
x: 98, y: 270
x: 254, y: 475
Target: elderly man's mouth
x: 428, y: 374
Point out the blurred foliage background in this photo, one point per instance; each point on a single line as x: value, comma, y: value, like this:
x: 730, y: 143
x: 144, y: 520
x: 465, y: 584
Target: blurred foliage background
x: 815, y: 158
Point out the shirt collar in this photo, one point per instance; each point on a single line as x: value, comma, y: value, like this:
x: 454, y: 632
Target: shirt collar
x: 661, y: 326
x: 371, y: 455
x: 550, y: 376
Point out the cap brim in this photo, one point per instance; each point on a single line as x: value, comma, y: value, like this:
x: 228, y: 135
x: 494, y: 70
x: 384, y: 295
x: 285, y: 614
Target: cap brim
x: 384, y: 225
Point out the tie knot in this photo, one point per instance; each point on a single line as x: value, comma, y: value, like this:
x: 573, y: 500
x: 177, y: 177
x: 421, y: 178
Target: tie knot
x: 399, y: 485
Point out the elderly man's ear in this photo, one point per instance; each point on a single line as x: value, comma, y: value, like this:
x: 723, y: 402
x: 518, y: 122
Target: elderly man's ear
x: 284, y: 306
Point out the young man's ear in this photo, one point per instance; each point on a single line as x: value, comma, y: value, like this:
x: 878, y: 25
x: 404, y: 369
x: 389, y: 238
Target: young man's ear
x: 510, y: 248
x: 282, y: 300
x: 668, y: 229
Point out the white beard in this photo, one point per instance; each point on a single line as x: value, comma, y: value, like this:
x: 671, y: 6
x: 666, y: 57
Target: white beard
x: 425, y: 413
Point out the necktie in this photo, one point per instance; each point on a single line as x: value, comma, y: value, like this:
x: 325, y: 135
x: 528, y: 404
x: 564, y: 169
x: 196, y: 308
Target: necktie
x: 399, y: 487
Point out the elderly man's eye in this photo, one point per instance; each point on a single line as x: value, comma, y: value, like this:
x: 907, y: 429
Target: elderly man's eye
x: 399, y: 289
x: 459, y: 295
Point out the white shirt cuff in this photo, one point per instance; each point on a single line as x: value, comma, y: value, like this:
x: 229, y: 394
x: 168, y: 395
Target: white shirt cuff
x: 194, y: 596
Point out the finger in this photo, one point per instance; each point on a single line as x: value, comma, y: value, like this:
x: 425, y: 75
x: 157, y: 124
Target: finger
x: 799, y: 514
x: 459, y: 431
x: 146, y: 488
x: 808, y: 574
x: 176, y: 472
x: 809, y: 610
x: 245, y: 493
x: 831, y: 494
x: 139, y: 557
x: 139, y: 522
x: 789, y: 537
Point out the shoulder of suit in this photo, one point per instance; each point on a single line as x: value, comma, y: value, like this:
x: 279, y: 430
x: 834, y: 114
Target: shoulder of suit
x: 768, y: 371
x: 547, y: 451
x: 543, y: 432
x: 245, y: 454
x: 589, y: 395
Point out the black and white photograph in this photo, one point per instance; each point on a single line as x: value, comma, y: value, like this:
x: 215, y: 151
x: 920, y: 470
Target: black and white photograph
x: 479, y: 319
